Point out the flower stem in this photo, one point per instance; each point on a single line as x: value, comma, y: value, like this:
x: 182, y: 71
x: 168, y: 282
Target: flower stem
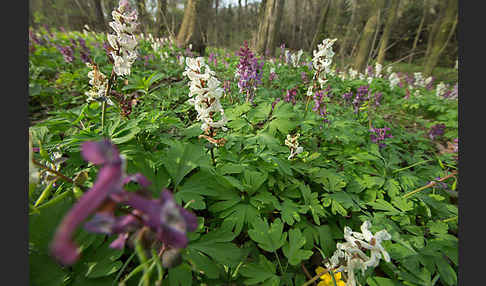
x: 64, y: 178
x: 431, y: 184
x: 315, y: 278
x: 306, y: 272
x: 108, y: 89
x: 103, y: 110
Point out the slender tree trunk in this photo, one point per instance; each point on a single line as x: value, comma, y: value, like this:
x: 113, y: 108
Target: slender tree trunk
x: 419, y: 31
x: 99, y: 14
x: 143, y: 17
x: 386, y: 32
x: 350, y: 30
x: 435, y: 27
x: 321, y: 26
x: 295, y: 22
x: 215, y: 33
x: 367, y: 37
x: 335, y: 18
x: 240, y: 16
x: 194, y: 25
x: 268, y: 28
x: 162, y: 21
x: 442, y: 36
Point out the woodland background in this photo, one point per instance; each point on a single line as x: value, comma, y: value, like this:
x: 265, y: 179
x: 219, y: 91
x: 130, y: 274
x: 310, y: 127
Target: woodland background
x: 417, y: 34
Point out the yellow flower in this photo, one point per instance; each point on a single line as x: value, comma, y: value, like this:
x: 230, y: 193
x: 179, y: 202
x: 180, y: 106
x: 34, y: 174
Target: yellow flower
x: 326, y: 279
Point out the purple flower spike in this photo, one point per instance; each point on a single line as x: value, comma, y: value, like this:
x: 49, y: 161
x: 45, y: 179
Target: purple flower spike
x: 436, y: 131
x: 100, y: 153
x: 109, y: 181
x: 378, y: 135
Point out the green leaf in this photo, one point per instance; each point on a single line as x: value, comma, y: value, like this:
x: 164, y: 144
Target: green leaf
x: 198, y: 186
x: 216, y: 244
x: 293, y: 249
x: 253, y: 180
x: 392, y: 187
x: 238, y: 216
x: 326, y: 240
x: 331, y: 181
x: 261, y: 273
x: 437, y: 227
x: 312, y: 203
x: 203, y: 264
x: 381, y: 281
x: 447, y: 273
x: 182, y: 158
x: 381, y: 204
x: 268, y: 238
x: 289, y: 211
x: 180, y: 275
x: 260, y: 112
x: 402, y: 203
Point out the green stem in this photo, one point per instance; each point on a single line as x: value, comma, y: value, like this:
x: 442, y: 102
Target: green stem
x: 315, y: 278
x: 413, y: 165
x: 122, y: 269
x: 45, y: 193
x: 103, y: 110
x: 431, y: 184
x: 54, y: 172
x: 107, y: 92
x: 450, y: 219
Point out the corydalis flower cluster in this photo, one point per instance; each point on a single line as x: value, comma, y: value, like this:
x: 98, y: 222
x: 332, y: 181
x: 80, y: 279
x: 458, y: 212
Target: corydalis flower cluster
x: 204, y: 93
x: 293, y: 144
x: 378, y: 135
x: 99, y: 85
x: 290, y: 95
x: 124, y: 42
x: 350, y: 255
x: 362, y: 94
x: 319, y: 104
x: 168, y: 221
x: 249, y: 72
x: 322, y: 64
x: 293, y: 59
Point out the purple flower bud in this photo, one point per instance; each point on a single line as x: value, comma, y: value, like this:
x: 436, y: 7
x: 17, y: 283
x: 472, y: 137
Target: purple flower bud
x: 436, y: 131
x: 170, y: 221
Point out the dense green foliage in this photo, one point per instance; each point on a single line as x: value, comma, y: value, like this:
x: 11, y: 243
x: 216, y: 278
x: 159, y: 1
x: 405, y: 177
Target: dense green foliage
x: 261, y: 216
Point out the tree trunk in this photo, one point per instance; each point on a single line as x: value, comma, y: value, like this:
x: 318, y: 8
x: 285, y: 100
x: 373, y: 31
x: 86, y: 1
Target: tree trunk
x: 321, y: 27
x: 143, y: 17
x: 419, y: 31
x: 367, y: 37
x: 161, y: 22
x: 350, y: 30
x: 386, y: 32
x: 268, y: 28
x: 99, y: 15
x: 194, y: 25
x: 442, y: 36
x: 334, y: 20
x: 215, y: 24
x: 295, y: 23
